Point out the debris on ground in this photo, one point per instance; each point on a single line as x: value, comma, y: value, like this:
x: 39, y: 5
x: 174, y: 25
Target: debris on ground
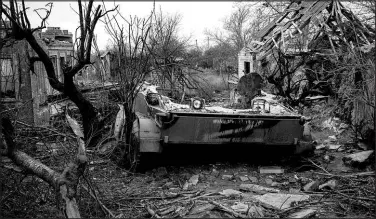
x: 256, y: 188
x: 75, y: 126
x: 243, y: 178
x: 320, y: 146
x: 191, y: 182
x: 255, y: 211
x: 280, y: 201
x: 201, y: 208
x: 271, y: 169
x: 358, y: 158
x: 227, y: 177
x: 230, y: 192
x: 305, y: 213
x: 334, y: 146
x: 268, y: 181
x: 161, y: 172
x: 363, y: 146
x: 253, y: 179
x: 296, y: 189
x: 328, y: 158
x: 215, y: 173
x: 240, y: 207
x: 332, y: 138
x: 335, y: 125
x: 330, y: 184
x: 311, y: 186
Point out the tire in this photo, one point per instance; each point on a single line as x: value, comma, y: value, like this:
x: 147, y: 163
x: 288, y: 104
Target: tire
x: 147, y: 161
x: 135, y: 161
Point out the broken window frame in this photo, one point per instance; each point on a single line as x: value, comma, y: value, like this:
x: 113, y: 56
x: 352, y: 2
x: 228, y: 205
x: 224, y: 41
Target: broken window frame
x: 7, y: 76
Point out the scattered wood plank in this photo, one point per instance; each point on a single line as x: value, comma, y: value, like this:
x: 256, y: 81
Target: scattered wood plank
x: 75, y: 126
x: 226, y: 209
x: 305, y: 213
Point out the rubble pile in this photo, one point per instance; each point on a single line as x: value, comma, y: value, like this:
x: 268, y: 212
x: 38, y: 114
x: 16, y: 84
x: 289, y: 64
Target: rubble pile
x: 235, y: 191
x: 336, y: 181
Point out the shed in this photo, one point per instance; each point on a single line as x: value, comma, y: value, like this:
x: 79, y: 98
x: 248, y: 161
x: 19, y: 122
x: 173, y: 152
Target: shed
x: 246, y: 58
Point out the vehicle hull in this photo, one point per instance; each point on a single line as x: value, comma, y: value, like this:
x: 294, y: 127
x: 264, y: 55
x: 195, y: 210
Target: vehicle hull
x: 196, y: 129
x: 157, y: 128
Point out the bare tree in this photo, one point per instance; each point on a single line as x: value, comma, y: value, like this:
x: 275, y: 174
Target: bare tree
x: 288, y: 77
x: 241, y: 26
x: 168, y: 50
x: 237, y: 25
x: 130, y: 62
x: 88, y: 20
x: 67, y: 181
x: 246, y: 19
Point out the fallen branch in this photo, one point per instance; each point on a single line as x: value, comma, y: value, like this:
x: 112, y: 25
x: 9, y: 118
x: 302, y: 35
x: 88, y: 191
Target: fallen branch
x: 284, y: 202
x: 188, y: 198
x: 13, y: 168
x: 152, y: 212
x: 355, y: 198
x: 226, y: 209
x: 167, y: 211
x: 318, y: 166
x: 91, y: 191
x: 187, y: 209
x: 360, y: 174
x: 349, y: 175
x: 303, y: 205
x: 65, y: 183
x: 41, y: 127
x: 142, y: 198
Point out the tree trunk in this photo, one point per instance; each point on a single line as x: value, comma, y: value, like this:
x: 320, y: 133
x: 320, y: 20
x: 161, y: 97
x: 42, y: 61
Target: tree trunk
x: 91, y: 124
x: 66, y: 183
x: 89, y: 115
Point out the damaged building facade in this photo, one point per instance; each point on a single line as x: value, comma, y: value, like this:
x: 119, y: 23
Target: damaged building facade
x: 25, y: 89
x: 60, y: 49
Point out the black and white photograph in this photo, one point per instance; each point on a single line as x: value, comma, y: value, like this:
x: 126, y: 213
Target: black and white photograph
x: 187, y: 109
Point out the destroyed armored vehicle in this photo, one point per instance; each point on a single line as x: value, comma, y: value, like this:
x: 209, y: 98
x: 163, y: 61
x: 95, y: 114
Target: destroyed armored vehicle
x: 162, y: 123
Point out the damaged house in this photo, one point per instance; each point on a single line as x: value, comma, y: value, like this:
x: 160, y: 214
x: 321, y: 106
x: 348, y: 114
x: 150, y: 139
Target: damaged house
x: 60, y: 48
x: 25, y: 89
x: 98, y: 72
x: 24, y: 85
x: 318, y: 48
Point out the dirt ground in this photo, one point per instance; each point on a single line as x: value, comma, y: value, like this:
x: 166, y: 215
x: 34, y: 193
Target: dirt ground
x: 208, y: 182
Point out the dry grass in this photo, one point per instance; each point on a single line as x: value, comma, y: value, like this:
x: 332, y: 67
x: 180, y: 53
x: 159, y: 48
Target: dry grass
x: 209, y: 82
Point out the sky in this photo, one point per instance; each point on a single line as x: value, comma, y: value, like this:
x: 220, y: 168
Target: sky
x: 196, y: 16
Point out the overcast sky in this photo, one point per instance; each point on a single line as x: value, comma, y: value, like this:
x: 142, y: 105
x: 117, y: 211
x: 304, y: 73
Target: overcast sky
x: 196, y: 15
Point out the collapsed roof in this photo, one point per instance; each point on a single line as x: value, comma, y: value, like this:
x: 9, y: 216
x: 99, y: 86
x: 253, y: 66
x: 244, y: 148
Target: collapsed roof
x: 309, y: 20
